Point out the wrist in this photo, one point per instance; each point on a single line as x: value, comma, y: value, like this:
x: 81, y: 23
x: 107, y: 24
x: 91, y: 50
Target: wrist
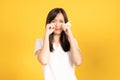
x: 70, y: 36
x: 47, y: 34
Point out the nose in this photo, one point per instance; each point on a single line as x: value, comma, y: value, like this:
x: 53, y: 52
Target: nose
x: 57, y: 24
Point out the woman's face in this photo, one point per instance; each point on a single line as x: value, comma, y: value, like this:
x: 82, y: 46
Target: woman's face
x: 58, y: 21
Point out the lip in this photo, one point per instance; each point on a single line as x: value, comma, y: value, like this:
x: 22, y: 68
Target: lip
x: 58, y: 29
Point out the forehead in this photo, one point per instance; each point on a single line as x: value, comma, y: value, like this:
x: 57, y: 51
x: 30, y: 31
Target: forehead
x: 59, y: 16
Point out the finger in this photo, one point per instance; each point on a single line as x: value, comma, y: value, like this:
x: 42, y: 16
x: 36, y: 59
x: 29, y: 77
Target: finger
x: 66, y: 30
x: 52, y: 30
x: 52, y: 25
x: 48, y: 26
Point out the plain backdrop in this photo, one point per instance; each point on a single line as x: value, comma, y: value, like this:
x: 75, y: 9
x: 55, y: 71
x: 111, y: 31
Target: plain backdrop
x: 95, y: 25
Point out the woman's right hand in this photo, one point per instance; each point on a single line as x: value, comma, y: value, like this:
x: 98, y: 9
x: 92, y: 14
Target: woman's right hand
x: 50, y: 28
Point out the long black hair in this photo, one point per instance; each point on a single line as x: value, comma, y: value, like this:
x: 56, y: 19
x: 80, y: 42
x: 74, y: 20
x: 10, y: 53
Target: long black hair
x: 63, y: 38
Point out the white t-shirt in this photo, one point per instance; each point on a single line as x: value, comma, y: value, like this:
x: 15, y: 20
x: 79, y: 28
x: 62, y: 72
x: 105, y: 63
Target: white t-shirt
x: 60, y: 66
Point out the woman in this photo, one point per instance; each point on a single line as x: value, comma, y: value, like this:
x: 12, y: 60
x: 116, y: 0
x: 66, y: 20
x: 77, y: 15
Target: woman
x: 58, y: 52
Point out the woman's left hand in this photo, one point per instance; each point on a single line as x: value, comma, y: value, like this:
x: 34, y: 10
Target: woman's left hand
x: 67, y: 30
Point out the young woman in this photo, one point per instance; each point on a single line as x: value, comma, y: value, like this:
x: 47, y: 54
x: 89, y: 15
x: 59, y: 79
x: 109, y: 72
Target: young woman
x: 58, y: 52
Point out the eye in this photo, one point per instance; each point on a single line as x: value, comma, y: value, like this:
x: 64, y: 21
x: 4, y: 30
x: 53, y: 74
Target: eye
x: 53, y: 21
x: 61, y: 21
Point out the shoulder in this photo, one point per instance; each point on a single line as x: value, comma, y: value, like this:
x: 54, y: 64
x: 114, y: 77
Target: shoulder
x: 39, y: 39
x: 38, y: 45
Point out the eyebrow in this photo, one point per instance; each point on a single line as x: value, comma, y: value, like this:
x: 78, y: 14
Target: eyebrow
x: 59, y: 19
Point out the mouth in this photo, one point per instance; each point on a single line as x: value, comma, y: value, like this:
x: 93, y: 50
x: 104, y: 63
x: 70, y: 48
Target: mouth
x: 57, y: 28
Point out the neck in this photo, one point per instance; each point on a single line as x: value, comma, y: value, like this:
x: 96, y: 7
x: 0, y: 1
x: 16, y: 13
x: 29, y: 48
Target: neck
x: 56, y: 39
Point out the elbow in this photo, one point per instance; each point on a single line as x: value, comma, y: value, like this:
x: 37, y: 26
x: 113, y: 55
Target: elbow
x: 43, y: 61
x: 78, y: 63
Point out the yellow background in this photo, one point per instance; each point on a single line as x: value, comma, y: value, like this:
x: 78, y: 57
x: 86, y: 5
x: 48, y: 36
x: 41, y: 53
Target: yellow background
x: 95, y: 25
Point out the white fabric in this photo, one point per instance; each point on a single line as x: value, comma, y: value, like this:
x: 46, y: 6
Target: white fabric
x: 38, y: 45
x: 60, y: 66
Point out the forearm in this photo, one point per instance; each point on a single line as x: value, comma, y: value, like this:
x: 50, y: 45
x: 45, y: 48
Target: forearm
x: 75, y: 52
x: 44, y: 53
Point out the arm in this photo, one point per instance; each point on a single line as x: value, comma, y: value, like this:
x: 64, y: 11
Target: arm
x: 75, y: 52
x: 43, y: 54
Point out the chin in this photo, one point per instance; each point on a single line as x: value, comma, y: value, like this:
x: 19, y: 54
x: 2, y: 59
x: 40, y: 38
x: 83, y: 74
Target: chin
x: 57, y: 32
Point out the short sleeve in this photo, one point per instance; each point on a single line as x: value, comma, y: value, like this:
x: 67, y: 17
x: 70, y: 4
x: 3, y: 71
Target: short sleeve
x: 38, y: 45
